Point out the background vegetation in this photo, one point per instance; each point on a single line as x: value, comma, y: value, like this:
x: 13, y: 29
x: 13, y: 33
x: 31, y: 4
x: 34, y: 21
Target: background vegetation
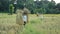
x: 48, y: 23
x: 49, y: 7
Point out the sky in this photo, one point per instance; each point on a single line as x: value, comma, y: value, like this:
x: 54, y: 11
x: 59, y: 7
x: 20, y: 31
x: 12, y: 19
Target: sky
x: 57, y: 1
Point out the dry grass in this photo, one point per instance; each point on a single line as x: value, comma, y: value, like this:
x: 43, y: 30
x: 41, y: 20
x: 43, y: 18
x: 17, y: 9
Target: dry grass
x: 48, y: 25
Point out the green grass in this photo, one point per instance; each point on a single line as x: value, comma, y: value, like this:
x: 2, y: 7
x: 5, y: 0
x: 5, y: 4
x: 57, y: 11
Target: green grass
x: 50, y: 24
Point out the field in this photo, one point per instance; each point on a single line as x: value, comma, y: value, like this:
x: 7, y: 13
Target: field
x: 49, y: 24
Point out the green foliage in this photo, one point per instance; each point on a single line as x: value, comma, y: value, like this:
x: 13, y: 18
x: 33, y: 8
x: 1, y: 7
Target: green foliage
x: 4, y: 5
x: 52, y: 11
x: 41, y: 11
x: 58, y: 6
x: 51, y: 4
x: 33, y: 6
x: 11, y: 9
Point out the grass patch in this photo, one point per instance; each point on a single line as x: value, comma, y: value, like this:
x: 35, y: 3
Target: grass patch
x: 50, y: 25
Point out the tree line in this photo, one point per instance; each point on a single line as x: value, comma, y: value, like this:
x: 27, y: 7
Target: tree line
x: 43, y: 6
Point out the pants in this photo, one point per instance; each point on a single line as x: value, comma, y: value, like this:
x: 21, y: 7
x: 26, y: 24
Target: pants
x: 24, y: 23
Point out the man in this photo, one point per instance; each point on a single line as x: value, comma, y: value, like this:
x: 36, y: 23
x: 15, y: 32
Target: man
x: 25, y: 16
x: 22, y: 15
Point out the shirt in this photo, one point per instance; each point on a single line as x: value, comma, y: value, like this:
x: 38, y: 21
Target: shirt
x: 24, y: 18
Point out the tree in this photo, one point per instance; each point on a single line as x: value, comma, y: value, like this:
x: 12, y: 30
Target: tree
x: 51, y: 4
x: 30, y: 5
x: 4, y: 5
x: 58, y: 6
x: 41, y: 11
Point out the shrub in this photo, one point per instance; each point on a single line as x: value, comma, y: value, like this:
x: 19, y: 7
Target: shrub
x: 40, y: 10
x: 11, y: 9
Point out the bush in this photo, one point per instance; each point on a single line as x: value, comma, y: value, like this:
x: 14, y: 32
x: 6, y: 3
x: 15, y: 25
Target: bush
x: 41, y: 11
x: 53, y: 11
x: 11, y: 9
